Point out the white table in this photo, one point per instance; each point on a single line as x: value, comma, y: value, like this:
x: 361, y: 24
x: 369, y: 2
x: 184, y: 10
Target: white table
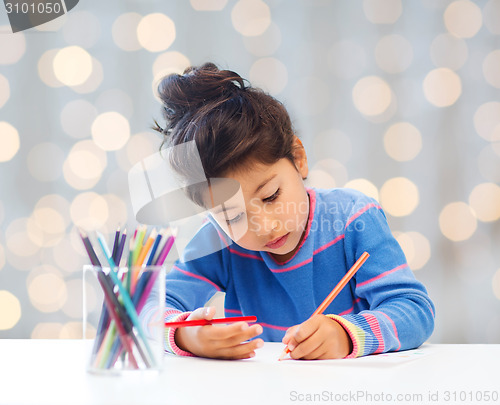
x: 53, y: 372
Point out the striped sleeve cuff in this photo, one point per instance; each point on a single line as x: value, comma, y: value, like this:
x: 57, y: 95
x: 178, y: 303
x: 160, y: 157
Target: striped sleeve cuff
x: 170, y: 345
x: 355, y: 333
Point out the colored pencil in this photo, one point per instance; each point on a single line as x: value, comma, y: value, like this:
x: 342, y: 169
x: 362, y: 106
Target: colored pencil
x: 110, y: 305
x: 90, y: 250
x: 103, y: 319
x: 166, y: 249
x: 147, y: 290
x: 133, y: 270
x: 127, y: 301
x: 119, y: 253
x: 336, y: 290
x: 141, y: 297
x: 141, y: 232
x: 130, y: 261
x: 103, y: 353
x: 165, y: 233
x: 203, y: 322
x: 124, y: 338
x: 146, y: 248
x: 152, y: 252
x: 115, y: 244
x: 119, y: 321
x: 139, y: 288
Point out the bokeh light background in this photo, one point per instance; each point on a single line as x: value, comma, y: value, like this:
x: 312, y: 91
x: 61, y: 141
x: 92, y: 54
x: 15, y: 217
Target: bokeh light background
x: 397, y: 99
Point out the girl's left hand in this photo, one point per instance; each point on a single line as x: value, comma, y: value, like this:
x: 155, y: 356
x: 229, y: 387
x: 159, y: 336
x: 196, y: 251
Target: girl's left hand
x: 318, y: 338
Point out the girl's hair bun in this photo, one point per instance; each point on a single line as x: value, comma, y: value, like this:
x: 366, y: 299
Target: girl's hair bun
x: 197, y: 87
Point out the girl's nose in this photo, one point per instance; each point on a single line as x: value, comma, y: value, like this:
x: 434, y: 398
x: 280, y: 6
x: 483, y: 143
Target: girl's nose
x: 266, y: 225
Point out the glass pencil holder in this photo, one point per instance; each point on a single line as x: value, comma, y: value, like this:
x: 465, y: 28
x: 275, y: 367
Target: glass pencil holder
x: 123, y: 318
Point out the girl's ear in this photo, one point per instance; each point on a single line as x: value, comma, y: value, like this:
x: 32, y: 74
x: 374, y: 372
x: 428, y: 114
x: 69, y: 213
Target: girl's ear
x: 300, y: 158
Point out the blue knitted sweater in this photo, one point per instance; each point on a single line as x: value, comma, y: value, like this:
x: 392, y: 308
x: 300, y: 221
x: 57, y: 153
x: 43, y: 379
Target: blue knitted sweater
x: 383, y: 308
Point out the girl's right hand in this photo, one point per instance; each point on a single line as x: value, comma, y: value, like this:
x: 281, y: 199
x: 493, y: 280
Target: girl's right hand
x: 218, y: 341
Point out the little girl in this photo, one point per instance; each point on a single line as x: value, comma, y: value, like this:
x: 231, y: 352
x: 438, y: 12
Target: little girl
x: 292, y: 244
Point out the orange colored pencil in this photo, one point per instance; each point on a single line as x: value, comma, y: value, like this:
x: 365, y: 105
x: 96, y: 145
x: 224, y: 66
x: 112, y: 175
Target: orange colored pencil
x: 145, y: 249
x: 336, y: 290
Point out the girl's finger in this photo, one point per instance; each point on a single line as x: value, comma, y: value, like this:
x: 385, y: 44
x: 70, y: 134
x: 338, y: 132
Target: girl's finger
x: 239, y: 351
x: 306, y: 329
x: 218, y: 332
x: 202, y: 313
x: 319, y: 353
x: 242, y: 335
x: 305, y: 348
x: 289, y: 333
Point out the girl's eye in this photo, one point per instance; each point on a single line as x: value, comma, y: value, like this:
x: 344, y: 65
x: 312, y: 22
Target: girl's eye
x: 273, y: 197
x: 235, y: 219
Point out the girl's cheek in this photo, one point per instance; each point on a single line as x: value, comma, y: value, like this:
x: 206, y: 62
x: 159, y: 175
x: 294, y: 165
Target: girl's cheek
x: 247, y: 242
x: 290, y: 225
x: 254, y: 225
x: 240, y: 234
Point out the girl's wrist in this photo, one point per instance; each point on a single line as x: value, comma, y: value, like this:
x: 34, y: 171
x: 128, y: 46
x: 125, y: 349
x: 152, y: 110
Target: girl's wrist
x: 171, y: 336
x: 179, y: 339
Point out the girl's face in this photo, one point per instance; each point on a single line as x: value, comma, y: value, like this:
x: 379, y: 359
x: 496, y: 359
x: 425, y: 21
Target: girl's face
x: 271, y: 210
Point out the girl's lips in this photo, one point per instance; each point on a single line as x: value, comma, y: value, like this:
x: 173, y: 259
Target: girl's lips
x: 277, y: 243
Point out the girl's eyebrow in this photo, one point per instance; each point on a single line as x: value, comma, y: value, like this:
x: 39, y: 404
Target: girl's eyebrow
x: 264, y: 183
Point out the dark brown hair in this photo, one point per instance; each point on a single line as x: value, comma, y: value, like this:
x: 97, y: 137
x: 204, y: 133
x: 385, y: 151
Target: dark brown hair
x: 231, y: 122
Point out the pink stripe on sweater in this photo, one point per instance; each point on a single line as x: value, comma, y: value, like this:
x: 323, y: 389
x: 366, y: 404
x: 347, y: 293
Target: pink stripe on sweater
x: 292, y: 267
x: 266, y: 325
x: 233, y: 311
x: 430, y: 309
x: 393, y: 328
x: 170, y: 312
x: 234, y: 251
x: 386, y: 273
x: 362, y: 211
x: 375, y: 328
x: 222, y: 237
x: 348, y: 311
x: 333, y: 242
x: 187, y: 273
